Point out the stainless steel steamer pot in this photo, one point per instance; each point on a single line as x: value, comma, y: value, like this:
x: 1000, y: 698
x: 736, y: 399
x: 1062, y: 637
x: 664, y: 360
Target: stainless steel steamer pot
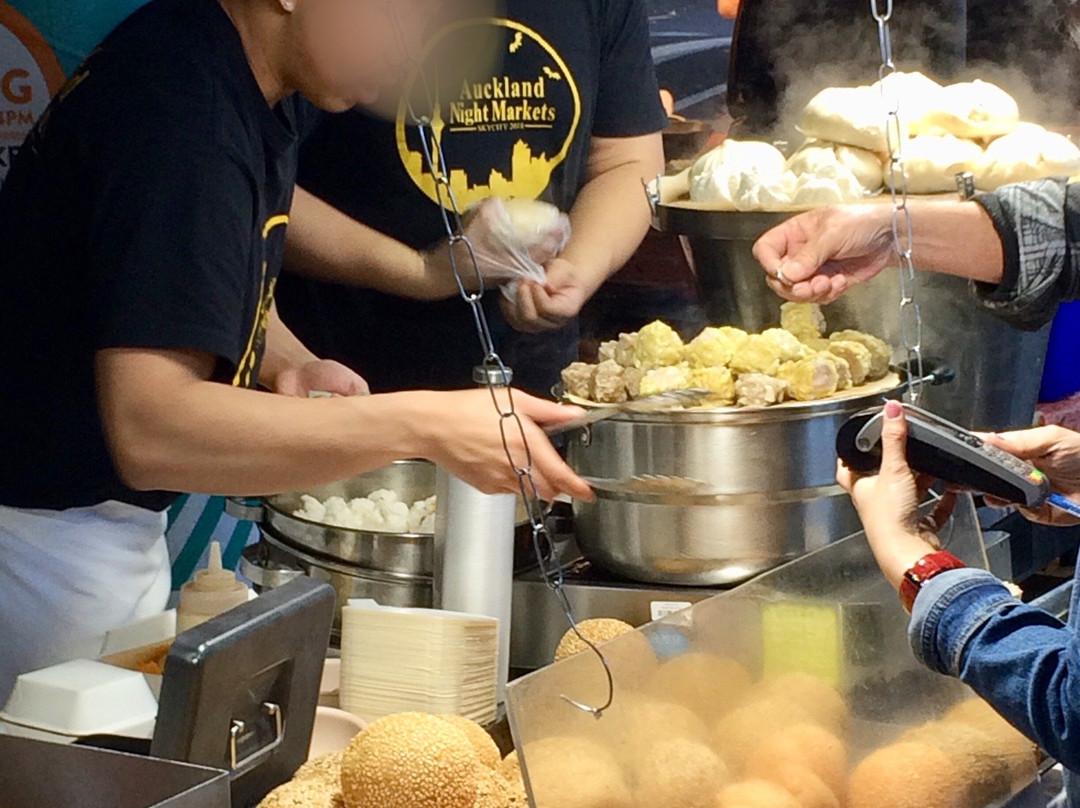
x: 770, y: 482
x: 397, y: 553
x: 393, y: 568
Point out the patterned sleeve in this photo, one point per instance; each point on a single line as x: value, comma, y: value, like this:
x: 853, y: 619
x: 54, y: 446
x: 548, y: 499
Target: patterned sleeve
x: 1039, y: 226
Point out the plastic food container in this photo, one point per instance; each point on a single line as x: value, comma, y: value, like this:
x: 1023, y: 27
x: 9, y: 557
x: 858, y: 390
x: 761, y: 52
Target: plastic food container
x: 333, y: 730
x: 78, y: 699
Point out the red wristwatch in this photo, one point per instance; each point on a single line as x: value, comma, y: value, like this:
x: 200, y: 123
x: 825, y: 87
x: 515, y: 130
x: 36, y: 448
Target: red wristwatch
x: 925, y: 568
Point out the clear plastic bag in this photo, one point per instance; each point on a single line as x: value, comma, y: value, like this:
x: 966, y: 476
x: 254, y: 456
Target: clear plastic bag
x: 514, y: 238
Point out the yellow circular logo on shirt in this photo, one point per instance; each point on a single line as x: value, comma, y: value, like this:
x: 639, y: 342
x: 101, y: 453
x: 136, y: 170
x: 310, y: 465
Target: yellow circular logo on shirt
x: 29, y: 76
x: 504, y: 129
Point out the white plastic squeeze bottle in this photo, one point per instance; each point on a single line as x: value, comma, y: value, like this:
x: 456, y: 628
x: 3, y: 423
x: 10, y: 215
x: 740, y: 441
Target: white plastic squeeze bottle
x: 213, y: 591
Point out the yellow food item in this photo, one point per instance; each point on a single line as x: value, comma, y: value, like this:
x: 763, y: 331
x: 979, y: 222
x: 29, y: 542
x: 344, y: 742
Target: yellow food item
x: 757, y: 355
x: 509, y: 767
x: 986, y: 774
x: 679, y: 772
x: 756, y: 794
x: 713, y: 347
x: 632, y: 377
x: 807, y: 788
x: 661, y: 380
x: 486, y: 751
x: 707, y: 684
x: 818, y: 344
x: 609, y: 383
x: 880, y: 352
x: 759, y: 390
x: 804, y: 320
x: 787, y: 343
x: 407, y: 761
x: 577, y: 379
x: 510, y: 770
x: 575, y: 773
x: 843, y: 369
x: 906, y: 775
x: 597, y: 631
x: 307, y: 792
x: 739, y: 733
x: 657, y: 346
x: 805, y: 744
x: 326, y: 767
x: 1015, y: 750
x: 719, y: 382
x: 823, y: 702
x: 810, y: 379
x: 858, y: 357
x: 635, y: 723
x: 624, y: 349
x: 492, y: 789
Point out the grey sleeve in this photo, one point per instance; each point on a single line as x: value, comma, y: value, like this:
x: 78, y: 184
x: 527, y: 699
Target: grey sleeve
x: 1039, y: 226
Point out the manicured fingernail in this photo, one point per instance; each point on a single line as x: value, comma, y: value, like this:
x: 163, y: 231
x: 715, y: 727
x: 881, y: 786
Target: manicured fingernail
x: 893, y: 410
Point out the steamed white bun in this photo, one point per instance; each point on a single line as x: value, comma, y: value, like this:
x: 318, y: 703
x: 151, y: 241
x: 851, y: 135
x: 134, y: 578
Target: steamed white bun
x: 1029, y: 153
x: 932, y: 162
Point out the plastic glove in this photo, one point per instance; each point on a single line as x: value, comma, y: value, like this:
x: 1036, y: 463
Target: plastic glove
x: 511, y: 239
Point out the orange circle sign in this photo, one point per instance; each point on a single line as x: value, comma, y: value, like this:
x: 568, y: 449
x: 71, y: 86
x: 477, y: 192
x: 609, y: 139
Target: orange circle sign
x: 29, y: 76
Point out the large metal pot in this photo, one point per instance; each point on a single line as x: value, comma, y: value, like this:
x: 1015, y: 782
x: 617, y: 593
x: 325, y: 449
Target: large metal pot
x: 769, y: 491
x: 1000, y: 366
x: 409, y: 554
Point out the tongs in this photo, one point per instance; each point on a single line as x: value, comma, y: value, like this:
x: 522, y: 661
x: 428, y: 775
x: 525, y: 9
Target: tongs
x: 660, y: 484
x: 671, y: 399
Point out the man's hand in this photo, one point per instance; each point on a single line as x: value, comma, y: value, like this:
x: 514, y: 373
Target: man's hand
x: 322, y: 375
x: 498, y: 259
x: 888, y: 503
x: 1055, y: 451
x: 461, y: 432
x: 545, y: 307
x: 818, y: 255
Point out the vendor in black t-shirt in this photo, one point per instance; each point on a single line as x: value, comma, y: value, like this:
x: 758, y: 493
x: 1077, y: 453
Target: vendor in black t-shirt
x: 142, y: 229
x: 570, y: 114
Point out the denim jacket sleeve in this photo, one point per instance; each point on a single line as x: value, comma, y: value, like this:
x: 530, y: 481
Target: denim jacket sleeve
x: 1022, y: 660
x: 1039, y: 227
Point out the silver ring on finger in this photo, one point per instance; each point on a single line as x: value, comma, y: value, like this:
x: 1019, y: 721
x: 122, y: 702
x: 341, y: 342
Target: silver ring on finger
x: 780, y: 277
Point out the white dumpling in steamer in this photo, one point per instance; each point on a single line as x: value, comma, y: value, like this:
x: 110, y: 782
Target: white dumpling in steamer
x: 815, y: 156
x: 854, y: 116
x: 931, y: 162
x: 1029, y: 153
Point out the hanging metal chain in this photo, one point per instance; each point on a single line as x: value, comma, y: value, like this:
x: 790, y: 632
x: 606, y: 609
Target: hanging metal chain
x: 497, y: 376
x: 911, y: 325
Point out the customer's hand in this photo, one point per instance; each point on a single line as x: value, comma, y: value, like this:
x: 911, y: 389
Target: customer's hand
x: 1055, y: 451
x: 547, y: 306
x: 321, y: 376
x: 888, y: 502
x: 463, y: 433
x: 819, y: 255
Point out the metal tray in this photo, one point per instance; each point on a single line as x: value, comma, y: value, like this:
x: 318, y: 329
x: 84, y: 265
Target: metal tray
x: 35, y: 774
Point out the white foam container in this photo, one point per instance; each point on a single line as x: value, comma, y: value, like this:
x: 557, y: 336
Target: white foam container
x: 77, y: 699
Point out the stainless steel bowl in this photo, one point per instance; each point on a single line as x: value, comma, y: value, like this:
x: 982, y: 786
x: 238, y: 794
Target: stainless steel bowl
x: 770, y: 487
x: 366, y: 552
x: 395, y: 553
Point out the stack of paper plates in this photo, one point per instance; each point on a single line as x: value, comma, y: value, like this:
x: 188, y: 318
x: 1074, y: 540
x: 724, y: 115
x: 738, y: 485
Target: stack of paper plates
x: 417, y: 660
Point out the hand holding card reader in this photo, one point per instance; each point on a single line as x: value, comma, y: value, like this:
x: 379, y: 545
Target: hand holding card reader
x: 949, y: 453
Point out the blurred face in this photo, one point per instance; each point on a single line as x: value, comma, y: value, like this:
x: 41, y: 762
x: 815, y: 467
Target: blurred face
x: 347, y: 51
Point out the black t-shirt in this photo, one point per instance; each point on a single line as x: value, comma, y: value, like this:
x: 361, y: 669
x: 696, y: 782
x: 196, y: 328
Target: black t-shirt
x: 567, y: 70
x: 147, y: 210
